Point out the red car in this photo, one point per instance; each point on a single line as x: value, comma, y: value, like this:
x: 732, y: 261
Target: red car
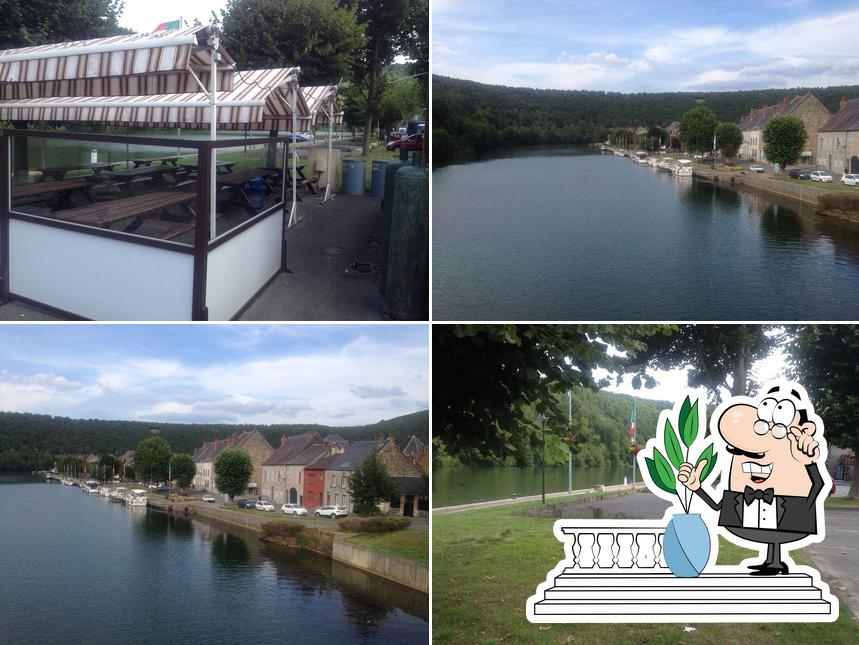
x: 411, y: 142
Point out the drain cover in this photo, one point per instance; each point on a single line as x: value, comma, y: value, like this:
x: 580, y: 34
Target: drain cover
x: 361, y: 268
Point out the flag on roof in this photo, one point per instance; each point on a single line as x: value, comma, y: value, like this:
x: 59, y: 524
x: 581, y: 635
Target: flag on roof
x: 167, y: 26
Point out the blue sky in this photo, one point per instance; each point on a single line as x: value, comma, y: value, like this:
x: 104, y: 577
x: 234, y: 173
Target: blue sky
x: 332, y: 374
x: 635, y: 46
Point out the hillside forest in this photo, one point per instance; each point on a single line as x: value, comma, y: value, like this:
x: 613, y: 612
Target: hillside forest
x: 34, y: 441
x: 473, y: 118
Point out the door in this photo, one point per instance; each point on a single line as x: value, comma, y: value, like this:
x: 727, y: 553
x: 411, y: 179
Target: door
x: 854, y: 164
x: 293, y: 496
x: 409, y: 506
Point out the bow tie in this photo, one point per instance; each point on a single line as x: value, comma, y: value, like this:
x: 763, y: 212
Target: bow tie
x: 750, y: 495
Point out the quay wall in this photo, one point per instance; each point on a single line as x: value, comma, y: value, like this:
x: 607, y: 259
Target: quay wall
x: 407, y: 573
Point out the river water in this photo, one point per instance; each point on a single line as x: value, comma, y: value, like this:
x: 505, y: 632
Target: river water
x: 564, y: 233
x: 465, y: 484
x: 78, y: 568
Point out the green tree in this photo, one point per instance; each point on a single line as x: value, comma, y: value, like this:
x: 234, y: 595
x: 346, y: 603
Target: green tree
x: 233, y: 472
x: 823, y: 360
x: 38, y: 22
x: 69, y: 464
x: 784, y: 140
x: 729, y: 138
x: 387, y: 28
x: 370, y: 484
x: 718, y: 356
x: 108, y: 465
x: 489, y: 380
x: 183, y: 469
x: 320, y: 36
x: 152, y: 458
x: 696, y: 129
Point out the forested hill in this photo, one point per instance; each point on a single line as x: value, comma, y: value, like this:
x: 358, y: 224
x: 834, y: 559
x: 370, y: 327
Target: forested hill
x: 601, y: 426
x: 30, y: 441
x: 470, y: 118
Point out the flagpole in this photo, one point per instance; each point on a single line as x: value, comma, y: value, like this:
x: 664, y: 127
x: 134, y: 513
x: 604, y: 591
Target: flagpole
x: 570, y: 471
x: 632, y: 438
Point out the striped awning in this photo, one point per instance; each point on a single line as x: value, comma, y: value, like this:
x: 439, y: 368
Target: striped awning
x: 258, y: 100
x: 317, y: 98
x: 169, y: 53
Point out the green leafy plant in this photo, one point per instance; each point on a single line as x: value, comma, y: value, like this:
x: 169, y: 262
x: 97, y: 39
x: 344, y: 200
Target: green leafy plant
x: 662, y: 470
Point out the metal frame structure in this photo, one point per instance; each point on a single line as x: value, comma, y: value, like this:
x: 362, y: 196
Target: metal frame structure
x: 205, y: 206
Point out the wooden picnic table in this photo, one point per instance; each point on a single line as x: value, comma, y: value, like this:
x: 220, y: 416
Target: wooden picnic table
x: 57, y: 173
x: 303, y: 181
x: 147, y: 161
x: 49, y: 187
x: 221, y: 167
x: 237, y: 181
x: 103, y: 214
x: 127, y: 177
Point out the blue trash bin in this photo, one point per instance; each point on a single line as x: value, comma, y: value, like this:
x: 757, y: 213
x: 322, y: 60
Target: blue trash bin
x: 353, y: 176
x: 377, y: 182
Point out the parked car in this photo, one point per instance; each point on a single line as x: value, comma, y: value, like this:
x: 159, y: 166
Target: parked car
x: 331, y: 511
x: 264, y: 505
x: 756, y: 168
x: 208, y: 499
x: 411, y: 142
x: 798, y: 173
x: 299, y: 138
x: 293, y: 509
x: 246, y: 503
x: 822, y: 176
x: 850, y: 179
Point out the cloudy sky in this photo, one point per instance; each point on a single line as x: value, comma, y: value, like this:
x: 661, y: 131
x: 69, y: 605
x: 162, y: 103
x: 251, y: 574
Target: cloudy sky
x: 633, y: 46
x: 145, y: 15
x: 331, y: 374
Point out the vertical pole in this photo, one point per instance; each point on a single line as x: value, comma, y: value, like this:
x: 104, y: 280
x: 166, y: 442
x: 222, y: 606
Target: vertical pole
x: 5, y: 195
x: 293, y: 212
x: 330, y: 148
x: 205, y: 177
x: 213, y: 134
x: 570, y: 470
x: 285, y: 223
x: 543, y: 462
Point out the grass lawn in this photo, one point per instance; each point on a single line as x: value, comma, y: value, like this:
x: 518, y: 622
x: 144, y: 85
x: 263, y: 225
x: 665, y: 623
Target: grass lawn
x: 842, y: 502
x: 411, y: 545
x: 816, y: 184
x: 486, y: 563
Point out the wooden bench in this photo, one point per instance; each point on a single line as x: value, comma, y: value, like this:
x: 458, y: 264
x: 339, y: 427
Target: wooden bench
x: 127, y: 178
x: 104, y: 214
x: 49, y: 187
x: 58, y: 172
x: 143, y: 161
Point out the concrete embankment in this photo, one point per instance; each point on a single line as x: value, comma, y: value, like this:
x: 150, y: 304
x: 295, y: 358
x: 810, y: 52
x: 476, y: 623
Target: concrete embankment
x: 405, y: 572
x: 842, y: 204
x: 318, y: 538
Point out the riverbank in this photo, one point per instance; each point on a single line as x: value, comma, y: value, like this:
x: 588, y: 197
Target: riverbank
x: 491, y: 560
x: 388, y: 555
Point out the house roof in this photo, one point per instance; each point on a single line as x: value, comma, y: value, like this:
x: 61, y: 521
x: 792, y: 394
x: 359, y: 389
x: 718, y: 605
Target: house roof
x: 353, y: 456
x: 208, y: 452
x: 847, y: 118
x: 309, y: 455
x: 412, y: 485
x: 334, y: 438
x: 414, y: 447
x: 290, y: 447
x: 758, y: 118
x: 674, y: 126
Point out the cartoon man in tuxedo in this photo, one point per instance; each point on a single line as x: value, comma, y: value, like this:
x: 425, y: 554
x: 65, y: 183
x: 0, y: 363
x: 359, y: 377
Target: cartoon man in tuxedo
x: 774, y: 479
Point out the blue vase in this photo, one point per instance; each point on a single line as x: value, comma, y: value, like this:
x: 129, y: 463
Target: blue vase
x: 686, y: 545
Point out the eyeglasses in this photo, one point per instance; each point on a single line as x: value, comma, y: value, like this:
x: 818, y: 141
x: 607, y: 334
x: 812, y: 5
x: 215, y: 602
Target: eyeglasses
x: 762, y: 427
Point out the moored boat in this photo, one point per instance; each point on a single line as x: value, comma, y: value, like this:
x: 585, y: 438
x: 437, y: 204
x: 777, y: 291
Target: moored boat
x: 137, y: 497
x: 683, y: 168
x: 119, y: 494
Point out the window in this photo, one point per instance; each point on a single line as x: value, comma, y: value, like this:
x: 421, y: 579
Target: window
x: 337, y: 499
x: 299, y: 476
x: 343, y: 482
x: 333, y: 480
x: 328, y: 499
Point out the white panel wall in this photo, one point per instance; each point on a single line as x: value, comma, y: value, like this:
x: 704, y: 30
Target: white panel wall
x: 238, y: 268
x: 97, y: 277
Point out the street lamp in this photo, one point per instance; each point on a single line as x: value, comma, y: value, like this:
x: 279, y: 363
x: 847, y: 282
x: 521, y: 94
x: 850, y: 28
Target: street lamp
x: 543, y: 418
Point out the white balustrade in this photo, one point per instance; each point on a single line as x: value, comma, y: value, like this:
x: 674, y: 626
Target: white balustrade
x: 599, y: 547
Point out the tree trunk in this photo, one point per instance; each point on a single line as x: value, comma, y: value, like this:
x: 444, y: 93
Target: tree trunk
x: 854, y: 487
x: 741, y: 367
x: 372, y: 97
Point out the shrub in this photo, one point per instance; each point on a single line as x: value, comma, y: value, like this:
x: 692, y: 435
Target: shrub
x: 839, y: 201
x: 376, y: 524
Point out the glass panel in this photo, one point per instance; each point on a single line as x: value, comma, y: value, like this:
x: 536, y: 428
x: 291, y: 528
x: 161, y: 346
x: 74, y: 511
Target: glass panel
x: 144, y: 190
x: 249, y: 181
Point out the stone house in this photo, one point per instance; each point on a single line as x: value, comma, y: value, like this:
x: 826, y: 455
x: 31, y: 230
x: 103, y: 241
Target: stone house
x: 838, y: 139
x: 250, y: 442
x: 127, y: 458
x: 283, y: 473
x: 418, y: 453
x: 335, y: 472
x: 412, y: 483
x: 806, y: 107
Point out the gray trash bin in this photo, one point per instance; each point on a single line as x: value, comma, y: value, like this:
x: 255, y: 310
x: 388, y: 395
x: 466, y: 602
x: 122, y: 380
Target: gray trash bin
x: 353, y: 176
x: 377, y: 181
x: 407, y: 278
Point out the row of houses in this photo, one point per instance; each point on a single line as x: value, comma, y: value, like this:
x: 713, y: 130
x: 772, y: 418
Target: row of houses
x: 313, y: 471
x: 833, y: 139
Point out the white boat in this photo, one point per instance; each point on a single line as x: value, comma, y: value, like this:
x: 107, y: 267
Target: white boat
x: 640, y: 156
x: 683, y: 168
x: 89, y: 486
x: 68, y: 481
x: 653, y: 162
x: 665, y: 165
x: 137, y: 497
x: 118, y: 494
x: 104, y: 491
